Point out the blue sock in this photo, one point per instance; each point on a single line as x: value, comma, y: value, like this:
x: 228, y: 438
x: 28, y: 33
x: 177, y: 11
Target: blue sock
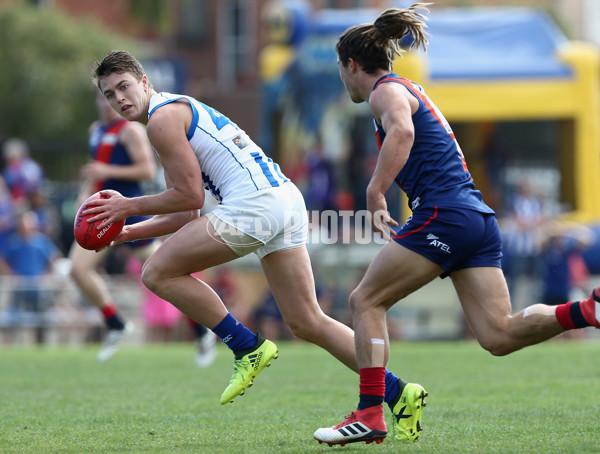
x: 393, y: 388
x: 235, y: 335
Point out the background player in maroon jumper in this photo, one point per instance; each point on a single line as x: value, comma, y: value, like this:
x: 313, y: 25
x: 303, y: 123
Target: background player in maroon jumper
x: 450, y: 233
x: 121, y: 159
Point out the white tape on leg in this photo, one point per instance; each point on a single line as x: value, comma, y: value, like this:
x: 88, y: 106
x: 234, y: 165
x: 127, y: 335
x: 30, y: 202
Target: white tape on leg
x: 377, y: 352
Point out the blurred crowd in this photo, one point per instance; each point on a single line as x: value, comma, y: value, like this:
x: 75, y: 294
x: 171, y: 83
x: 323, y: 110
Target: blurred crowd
x: 28, y: 230
x: 543, y: 254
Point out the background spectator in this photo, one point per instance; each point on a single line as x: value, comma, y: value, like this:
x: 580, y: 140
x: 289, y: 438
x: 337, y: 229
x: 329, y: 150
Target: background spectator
x: 22, y: 174
x: 564, y: 270
x: 522, y: 246
x: 28, y: 255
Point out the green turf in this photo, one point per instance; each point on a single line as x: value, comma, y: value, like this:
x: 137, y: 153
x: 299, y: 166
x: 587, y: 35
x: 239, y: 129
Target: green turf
x: 153, y: 399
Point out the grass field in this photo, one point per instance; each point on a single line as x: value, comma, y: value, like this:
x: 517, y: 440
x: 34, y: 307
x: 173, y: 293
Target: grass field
x: 153, y: 399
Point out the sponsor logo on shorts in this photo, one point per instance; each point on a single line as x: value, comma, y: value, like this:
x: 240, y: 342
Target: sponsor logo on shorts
x: 434, y: 241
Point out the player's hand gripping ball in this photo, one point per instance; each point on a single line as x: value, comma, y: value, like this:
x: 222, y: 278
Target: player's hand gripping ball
x: 86, y: 233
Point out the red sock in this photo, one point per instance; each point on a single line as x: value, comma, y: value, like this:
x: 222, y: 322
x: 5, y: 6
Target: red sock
x: 372, y: 381
x: 372, y: 387
x: 109, y: 311
x: 573, y: 315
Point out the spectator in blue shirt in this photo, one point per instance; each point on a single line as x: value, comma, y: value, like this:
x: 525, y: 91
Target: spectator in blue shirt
x: 28, y: 254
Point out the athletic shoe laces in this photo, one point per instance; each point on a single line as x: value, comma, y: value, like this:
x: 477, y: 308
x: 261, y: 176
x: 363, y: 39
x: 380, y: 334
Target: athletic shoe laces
x: 347, y: 420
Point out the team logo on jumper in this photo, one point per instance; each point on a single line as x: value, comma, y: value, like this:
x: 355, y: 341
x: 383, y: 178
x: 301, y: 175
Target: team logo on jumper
x: 240, y: 142
x: 434, y: 241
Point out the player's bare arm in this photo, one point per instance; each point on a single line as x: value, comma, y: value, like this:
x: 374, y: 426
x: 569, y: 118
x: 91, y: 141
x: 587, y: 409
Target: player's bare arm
x: 156, y: 226
x: 392, y: 110
x: 167, y: 133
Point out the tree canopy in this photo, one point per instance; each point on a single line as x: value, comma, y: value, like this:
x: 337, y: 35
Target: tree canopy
x: 47, y: 57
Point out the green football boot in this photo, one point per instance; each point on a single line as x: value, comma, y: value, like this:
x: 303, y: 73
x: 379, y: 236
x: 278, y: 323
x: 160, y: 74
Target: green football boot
x: 407, y: 413
x: 246, y: 367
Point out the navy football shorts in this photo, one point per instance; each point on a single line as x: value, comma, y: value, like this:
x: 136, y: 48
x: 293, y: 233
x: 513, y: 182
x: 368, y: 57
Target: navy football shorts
x: 454, y: 238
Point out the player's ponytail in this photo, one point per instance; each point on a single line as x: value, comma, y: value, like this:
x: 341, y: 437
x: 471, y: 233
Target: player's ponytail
x: 374, y: 46
x: 396, y: 23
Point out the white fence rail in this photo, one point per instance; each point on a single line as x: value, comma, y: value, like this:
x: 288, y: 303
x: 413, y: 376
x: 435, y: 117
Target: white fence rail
x: 51, y: 310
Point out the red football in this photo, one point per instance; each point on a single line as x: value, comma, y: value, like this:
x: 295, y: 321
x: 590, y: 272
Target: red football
x: 86, y: 233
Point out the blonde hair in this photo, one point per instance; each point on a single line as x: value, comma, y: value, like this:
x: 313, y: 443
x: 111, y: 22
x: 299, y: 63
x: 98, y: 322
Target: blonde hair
x: 374, y: 46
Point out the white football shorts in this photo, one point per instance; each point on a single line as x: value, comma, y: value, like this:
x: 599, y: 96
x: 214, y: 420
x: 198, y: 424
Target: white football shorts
x: 266, y: 221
